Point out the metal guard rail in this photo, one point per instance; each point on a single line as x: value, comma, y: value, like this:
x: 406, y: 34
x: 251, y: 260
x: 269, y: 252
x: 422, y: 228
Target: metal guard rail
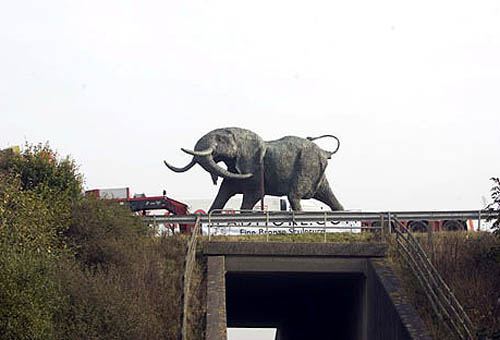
x: 314, y: 216
x: 271, y: 216
x: 442, y: 299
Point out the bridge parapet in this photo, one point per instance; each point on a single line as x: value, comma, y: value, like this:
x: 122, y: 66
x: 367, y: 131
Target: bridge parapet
x: 352, y: 250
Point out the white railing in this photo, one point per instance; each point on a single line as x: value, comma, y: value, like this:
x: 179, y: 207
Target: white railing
x: 321, y: 219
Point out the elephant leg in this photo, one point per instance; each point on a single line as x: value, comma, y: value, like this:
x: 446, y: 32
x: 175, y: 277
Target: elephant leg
x: 295, y: 203
x: 249, y: 201
x: 324, y: 194
x: 226, y: 191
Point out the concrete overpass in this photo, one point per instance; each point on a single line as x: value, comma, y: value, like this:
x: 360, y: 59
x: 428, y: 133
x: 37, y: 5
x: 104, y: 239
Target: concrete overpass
x: 307, y: 291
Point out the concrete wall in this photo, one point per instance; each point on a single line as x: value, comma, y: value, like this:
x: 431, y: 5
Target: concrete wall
x: 390, y: 316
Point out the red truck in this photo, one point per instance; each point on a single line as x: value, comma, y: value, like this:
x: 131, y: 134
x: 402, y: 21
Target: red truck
x: 143, y: 204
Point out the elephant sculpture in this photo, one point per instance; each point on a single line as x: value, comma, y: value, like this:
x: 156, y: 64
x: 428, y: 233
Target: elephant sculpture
x: 290, y: 166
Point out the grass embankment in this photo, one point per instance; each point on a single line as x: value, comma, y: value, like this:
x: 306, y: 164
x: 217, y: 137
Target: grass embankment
x: 300, y: 237
x: 469, y: 262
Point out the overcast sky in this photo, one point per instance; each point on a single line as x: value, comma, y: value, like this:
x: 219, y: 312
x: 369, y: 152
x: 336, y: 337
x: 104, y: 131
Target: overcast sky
x: 412, y: 89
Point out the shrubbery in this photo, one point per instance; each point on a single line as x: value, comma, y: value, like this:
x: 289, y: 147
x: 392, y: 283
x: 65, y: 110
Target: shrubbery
x: 134, y: 299
x: 34, y: 211
x: 30, y: 296
x: 41, y: 170
x: 103, y: 233
x: 76, y: 267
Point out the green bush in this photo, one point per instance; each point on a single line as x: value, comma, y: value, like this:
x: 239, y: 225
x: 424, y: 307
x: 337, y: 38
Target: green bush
x: 41, y: 170
x: 27, y: 221
x: 102, y: 233
x: 36, y: 196
x: 30, y: 296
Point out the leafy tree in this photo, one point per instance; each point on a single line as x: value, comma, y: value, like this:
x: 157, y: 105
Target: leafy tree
x: 37, y: 192
x: 41, y: 170
x: 29, y: 246
x: 26, y: 220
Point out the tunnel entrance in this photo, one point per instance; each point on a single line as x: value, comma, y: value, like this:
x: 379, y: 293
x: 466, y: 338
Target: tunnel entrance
x: 300, y: 305
x: 342, y: 291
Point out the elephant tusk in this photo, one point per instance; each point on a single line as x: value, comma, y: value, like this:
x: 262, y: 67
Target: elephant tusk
x: 205, y: 152
x: 220, y: 171
x: 186, y: 168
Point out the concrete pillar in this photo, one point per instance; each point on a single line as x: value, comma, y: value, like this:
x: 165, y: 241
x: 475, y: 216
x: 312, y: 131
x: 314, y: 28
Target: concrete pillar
x: 216, y: 299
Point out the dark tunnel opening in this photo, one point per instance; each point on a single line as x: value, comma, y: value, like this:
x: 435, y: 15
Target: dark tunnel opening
x: 299, y: 305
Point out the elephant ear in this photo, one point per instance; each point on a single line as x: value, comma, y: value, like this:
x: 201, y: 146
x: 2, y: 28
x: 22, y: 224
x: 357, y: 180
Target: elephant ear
x: 251, y: 152
x: 250, y: 161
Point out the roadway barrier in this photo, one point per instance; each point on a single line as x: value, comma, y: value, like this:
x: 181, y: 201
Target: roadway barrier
x: 272, y: 219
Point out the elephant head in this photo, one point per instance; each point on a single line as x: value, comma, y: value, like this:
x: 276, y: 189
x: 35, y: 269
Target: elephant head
x: 241, y: 150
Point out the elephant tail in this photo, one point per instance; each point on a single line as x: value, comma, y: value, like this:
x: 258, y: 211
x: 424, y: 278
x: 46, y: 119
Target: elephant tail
x: 331, y: 136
